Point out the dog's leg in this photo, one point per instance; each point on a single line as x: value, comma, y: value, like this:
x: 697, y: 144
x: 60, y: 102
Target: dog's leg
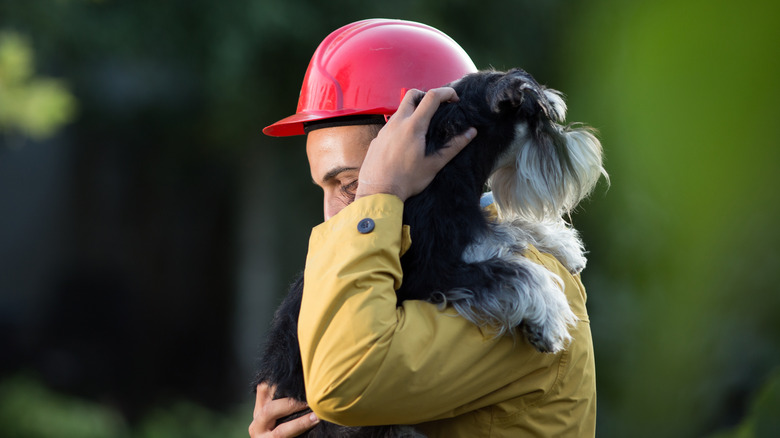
x: 500, y: 289
x: 502, y: 297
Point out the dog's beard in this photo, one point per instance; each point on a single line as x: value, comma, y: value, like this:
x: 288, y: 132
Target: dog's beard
x: 546, y: 171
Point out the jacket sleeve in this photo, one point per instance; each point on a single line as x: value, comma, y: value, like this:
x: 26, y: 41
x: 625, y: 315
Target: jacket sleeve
x: 367, y: 361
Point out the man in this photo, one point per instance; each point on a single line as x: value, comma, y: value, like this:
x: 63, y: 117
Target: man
x: 367, y: 361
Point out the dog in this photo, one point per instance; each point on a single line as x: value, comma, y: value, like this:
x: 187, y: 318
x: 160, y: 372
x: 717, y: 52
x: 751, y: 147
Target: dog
x: 538, y: 170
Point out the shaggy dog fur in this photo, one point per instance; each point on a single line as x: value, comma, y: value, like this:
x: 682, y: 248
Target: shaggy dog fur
x: 538, y: 170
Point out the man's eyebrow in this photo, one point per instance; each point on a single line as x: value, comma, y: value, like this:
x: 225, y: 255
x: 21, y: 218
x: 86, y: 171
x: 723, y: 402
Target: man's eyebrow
x: 333, y: 173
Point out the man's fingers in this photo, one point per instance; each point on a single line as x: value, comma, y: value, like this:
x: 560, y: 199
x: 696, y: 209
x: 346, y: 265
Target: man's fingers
x: 274, y: 409
x: 263, y: 395
x: 408, y: 103
x: 283, y: 407
x: 433, y: 98
x: 264, y: 391
x: 268, y: 411
x: 293, y: 428
x: 454, y: 146
x: 297, y: 426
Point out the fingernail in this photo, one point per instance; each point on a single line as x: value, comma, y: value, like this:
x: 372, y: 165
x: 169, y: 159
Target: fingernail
x: 471, y: 133
x: 313, y: 418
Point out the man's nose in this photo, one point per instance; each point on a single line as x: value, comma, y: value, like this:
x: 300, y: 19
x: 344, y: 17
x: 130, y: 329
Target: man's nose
x: 330, y: 208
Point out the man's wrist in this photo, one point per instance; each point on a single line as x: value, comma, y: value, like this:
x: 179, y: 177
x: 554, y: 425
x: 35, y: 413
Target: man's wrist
x: 368, y: 190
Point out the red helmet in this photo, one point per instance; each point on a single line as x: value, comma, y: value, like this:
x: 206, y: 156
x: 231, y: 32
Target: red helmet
x: 365, y: 67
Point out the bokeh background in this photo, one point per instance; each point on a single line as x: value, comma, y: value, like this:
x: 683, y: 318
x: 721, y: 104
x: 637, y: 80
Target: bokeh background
x: 148, y: 229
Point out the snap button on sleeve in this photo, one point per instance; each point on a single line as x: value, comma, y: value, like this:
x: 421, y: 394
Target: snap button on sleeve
x: 365, y: 226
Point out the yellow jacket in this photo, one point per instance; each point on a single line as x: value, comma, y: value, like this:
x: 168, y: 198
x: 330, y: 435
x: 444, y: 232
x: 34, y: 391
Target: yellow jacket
x: 368, y: 362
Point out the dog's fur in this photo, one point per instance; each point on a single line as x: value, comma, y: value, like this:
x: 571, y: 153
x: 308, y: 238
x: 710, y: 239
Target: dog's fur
x: 538, y: 170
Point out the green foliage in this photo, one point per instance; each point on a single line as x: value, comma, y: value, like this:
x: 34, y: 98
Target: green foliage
x: 30, y: 410
x: 35, y: 106
x: 187, y: 420
x: 762, y: 420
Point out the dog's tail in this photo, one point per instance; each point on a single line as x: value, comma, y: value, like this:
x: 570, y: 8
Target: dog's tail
x: 550, y: 167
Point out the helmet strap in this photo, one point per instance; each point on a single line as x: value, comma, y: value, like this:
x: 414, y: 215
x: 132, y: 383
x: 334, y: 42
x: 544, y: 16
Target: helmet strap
x: 361, y: 119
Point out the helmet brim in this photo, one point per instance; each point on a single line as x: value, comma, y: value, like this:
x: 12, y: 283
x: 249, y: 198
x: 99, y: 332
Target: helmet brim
x: 293, y: 125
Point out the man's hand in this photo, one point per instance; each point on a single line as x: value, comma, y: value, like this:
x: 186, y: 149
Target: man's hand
x: 267, y: 411
x: 395, y: 162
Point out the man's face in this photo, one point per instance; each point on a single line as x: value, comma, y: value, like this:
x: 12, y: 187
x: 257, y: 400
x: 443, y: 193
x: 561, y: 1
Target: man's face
x: 335, y: 156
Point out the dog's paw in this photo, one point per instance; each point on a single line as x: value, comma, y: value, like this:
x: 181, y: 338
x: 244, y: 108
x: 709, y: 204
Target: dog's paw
x: 551, y: 333
x: 542, y: 342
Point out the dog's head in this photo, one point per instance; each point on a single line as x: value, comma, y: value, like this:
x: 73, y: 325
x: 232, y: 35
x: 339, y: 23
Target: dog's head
x: 538, y: 168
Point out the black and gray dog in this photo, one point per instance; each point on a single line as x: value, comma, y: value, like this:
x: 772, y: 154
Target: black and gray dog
x: 538, y: 170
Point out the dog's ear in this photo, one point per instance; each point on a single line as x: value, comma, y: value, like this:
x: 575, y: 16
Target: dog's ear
x: 507, y: 93
x: 519, y: 93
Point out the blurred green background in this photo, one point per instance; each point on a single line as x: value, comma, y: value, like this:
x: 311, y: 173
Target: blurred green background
x: 148, y: 229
